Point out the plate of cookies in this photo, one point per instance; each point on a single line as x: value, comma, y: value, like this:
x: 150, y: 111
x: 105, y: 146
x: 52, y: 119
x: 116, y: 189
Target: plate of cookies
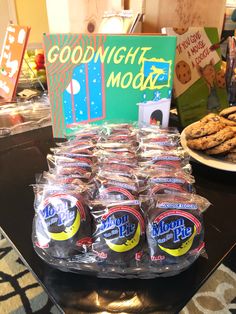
x: 212, y: 140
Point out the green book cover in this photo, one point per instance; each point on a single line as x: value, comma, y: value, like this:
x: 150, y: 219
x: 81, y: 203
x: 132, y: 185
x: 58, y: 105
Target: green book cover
x: 92, y: 78
x: 199, y: 80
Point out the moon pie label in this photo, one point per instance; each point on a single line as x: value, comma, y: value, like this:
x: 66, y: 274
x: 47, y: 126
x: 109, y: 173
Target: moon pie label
x: 167, y: 163
x: 119, y: 231
x: 173, y: 233
x: 62, y: 215
x: 167, y: 157
x: 169, y: 185
x: 114, y: 191
x: 119, y: 169
x: 167, y: 188
x: 118, y: 189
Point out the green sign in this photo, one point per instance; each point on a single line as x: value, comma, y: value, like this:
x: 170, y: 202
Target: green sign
x: 92, y: 78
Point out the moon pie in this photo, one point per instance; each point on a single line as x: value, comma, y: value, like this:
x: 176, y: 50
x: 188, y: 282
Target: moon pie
x: 163, y: 142
x: 62, y: 221
x: 175, y: 228
x: 119, y: 232
x: 118, y: 169
x: 166, y: 182
x: 111, y: 186
x: 173, y: 159
x: 121, y: 128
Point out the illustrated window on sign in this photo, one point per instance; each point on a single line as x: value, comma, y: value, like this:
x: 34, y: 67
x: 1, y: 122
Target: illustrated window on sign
x: 157, y: 72
x: 84, y: 97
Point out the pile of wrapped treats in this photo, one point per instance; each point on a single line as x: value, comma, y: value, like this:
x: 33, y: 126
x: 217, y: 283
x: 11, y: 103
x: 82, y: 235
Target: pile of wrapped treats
x: 119, y: 201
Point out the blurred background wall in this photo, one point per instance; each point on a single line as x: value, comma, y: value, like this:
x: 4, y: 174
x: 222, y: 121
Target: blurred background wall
x: 34, y: 14
x: 85, y: 15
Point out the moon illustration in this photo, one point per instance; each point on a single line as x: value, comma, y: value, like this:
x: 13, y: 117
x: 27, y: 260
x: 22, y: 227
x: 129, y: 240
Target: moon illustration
x: 128, y: 245
x: 183, y: 249
x: 75, y: 87
x: 69, y: 232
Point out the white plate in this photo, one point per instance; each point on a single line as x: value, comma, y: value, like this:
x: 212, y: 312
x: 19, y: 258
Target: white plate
x: 205, y: 159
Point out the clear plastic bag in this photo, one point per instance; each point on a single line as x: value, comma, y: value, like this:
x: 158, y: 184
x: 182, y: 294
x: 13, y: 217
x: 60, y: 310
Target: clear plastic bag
x: 113, y: 187
x: 124, y: 241
x: 62, y: 223
x: 95, y: 208
x: 163, y: 181
x: 175, y: 231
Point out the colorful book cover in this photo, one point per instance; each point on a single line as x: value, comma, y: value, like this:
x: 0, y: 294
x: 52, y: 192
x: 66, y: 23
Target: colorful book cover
x: 199, y: 80
x: 92, y: 78
x: 11, y: 59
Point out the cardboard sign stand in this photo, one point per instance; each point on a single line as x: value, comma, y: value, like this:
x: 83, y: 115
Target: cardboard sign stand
x: 12, y: 55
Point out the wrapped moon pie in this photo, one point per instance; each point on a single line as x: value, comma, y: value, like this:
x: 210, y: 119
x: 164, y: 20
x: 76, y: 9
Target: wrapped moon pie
x: 62, y: 221
x: 175, y: 230
x: 119, y: 232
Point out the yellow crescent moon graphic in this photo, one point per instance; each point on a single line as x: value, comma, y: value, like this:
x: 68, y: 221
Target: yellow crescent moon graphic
x: 69, y: 232
x: 128, y: 245
x: 183, y: 249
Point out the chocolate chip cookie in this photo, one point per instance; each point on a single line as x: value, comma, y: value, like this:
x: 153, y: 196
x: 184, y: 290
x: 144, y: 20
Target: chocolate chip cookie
x: 222, y: 148
x: 227, y: 121
x: 210, y: 117
x: 232, y: 117
x: 231, y: 157
x: 227, y: 111
x: 209, y: 141
x: 233, y: 150
x: 183, y: 72
x: 180, y: 30
x: 200, y: 128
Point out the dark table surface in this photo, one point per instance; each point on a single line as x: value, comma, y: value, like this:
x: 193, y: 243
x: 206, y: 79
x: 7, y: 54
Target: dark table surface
x: 24, y: 155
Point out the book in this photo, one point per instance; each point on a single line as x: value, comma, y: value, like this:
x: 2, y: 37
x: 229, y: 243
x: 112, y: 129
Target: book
x: 98, y: 77
x: 199, y: 80
x: 12, y: 55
